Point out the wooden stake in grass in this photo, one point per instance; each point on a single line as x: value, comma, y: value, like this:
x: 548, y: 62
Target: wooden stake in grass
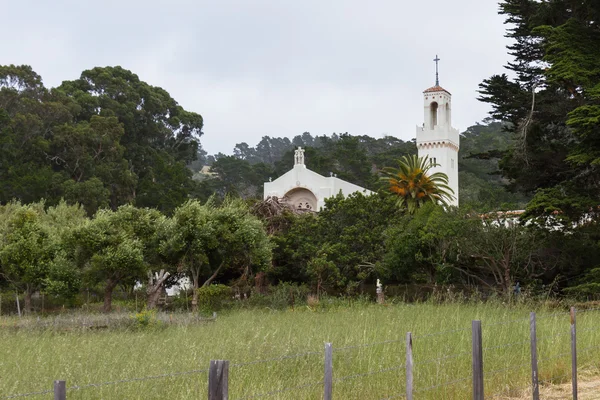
x: 477, y: 361
x: 409, y: 367
x: 535, y: 387
x: 18, y: 305
x: 573, y: 353
x: 328, y: 379
x: 218, y: 380
x: 60, y: 390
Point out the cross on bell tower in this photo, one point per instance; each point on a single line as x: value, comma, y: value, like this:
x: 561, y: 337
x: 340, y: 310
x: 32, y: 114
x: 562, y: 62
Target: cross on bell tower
x: 437, y: 76
x: 436, y: 138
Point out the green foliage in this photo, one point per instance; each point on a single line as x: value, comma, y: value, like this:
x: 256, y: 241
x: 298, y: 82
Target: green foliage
x: 104, y: 139
x: 481, y: 185
x: 323, y: 274
x: 552, y: 106
x: 214, y: 297
x: 207, y: 240
x: 145, y: 319
x: 414, y: 185
x: 422, y: 247
x: 115, y: 247
x: 348, y: 232
x: 33, y: 253
x: 280, y: 297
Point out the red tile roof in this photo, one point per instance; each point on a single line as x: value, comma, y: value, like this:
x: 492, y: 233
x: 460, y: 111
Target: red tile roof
x: 436, y: 88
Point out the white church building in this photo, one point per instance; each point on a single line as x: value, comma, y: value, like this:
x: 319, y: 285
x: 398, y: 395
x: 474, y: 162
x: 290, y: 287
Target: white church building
x: 306, y: 189
x: 436, y: 138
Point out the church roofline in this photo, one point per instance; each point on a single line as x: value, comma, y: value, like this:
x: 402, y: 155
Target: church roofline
x: 436, y: 88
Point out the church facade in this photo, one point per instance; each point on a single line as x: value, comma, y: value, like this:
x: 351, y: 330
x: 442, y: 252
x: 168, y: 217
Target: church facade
x: 307, y: 190
x: 436, y: 139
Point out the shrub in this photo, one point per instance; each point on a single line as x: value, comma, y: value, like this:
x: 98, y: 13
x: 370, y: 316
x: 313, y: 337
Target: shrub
x: 145, y: 319
x: 214, y: 297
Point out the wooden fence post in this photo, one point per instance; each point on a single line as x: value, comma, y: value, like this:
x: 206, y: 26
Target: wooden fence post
x: 218, y: 380
x: 60, y: 390
x: 328, y: 379
x: 409, y: 367
x: 477, y: 360
x: 535, y: 387
x: 573, y: 353
x: 18, y: 305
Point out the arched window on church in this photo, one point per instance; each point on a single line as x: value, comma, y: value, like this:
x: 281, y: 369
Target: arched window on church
x: 448, y: 114
x: 434, y: 112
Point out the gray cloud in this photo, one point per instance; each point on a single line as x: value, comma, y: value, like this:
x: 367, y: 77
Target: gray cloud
x: 273, y: 67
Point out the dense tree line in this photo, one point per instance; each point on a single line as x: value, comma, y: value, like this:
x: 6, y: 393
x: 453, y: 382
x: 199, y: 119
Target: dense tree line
x: 103, y: 140
x: 551, y: 110
x: 58, y: 250
x: 121, y: 154
x: 551, y: 107
x: 360, y: 160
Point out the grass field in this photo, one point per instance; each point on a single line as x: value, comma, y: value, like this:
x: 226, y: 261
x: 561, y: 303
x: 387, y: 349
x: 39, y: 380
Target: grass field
x: 31, y: 359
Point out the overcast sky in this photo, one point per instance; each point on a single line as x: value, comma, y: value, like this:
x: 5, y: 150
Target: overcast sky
x: 273, y: 67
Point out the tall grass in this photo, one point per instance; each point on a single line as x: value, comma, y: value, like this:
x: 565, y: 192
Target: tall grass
x: 31, y: 359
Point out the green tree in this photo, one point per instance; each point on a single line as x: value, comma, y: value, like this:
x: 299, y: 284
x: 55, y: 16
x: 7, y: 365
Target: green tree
x: 114, y: 248
x: 207, y: 240
x: 423, y: 247
x: 324, y: 274
x: 551, y: 106
x: 32, y: 257
x: 159, y: 137
x: 349, y: 230
x: 413, y: 184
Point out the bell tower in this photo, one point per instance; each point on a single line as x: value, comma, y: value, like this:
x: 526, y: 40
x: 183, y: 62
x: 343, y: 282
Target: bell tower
x: 437, y: 138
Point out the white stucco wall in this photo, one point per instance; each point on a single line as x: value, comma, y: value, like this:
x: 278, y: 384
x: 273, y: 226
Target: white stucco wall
x: 321, y: 186
x: 441, y: 141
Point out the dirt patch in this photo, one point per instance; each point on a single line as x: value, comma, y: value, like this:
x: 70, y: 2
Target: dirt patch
x: 588, y: 388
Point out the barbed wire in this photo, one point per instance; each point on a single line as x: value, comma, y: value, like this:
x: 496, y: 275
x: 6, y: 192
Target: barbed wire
x: 554, y: 357
x: 440, y: 333
x: 396, y: 396
x: 549, y: 380
x: 544, y: 316
x: 274, y: 392
x: 586, y: 330
x: 502, y: 346
x: 504, y: 322
x: 14, y: 396
x: 89, y: 385
x: 367, y: 345
x: 145, y: 378
x: 291, y: 356
x: 497, y: 371
x: 586, y: 310
x: 451, y: 356
x: 588, y: 348
x: 546, y: 337
x: 360, y: 375
x: 443, y: 384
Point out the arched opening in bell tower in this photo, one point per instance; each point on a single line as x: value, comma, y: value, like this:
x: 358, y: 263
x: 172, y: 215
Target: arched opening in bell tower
x: 448, y: 121
x: 434, y: 114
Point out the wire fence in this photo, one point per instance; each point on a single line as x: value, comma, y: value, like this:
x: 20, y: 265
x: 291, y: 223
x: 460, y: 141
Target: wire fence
x: 465, y: 365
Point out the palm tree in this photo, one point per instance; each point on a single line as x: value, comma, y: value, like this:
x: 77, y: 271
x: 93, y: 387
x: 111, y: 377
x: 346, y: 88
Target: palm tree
x: 413, y: 184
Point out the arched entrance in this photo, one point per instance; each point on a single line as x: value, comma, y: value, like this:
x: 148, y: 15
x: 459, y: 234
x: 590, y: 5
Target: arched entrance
x: 302, y: 199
